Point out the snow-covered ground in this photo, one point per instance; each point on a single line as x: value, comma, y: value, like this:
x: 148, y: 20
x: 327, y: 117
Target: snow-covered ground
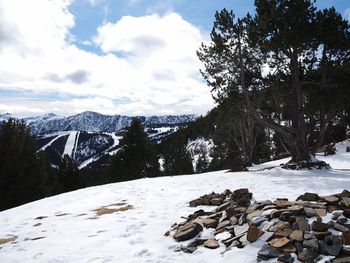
x: 71, y: 232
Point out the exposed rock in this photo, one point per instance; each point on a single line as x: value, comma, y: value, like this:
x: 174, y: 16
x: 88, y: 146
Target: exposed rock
x: 210, y: 223
x: 286, y: 258
x: 346, y: 238
x: 284, y: 232
x: 311, y: 243
x: 344, y: 259
x: 346, y: 213
x: 331, y: 246
x: 267, y: 236
x: 297, y: 235
x: 211, y: 243
x: 302, y: 223
x: 241, y: 229
x: 253, y: 233
x: 267, y: 252
x: 341, y: 228
x: 223, y: 224
x: 321, y: 211
x: 330, y: 199
x: 309, y: 197
x: 307, y: 255
x: 187, y: 231
x: 279, y: 242
x: 319, y: 226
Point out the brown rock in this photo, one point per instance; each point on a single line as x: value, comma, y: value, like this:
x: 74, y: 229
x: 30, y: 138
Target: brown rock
x: 223, y: 224
x: 284, y: 232
x: 302, y: 222
x: 289, y: 248
x: 319, y: 226
x: 346, y: 201
x: 321, y: 211
x: 210, y: 223
x: 187, y: 231
x: 330, y: 199
x: 211, y: 243
x: 332, y: 208
x: 346, y: 213
x: 279, y: 242
x: 342, y: 260
x: 346, y: 238
x: 253, y: 233
x: 297, y: 235
x: 216, y: 201
x: 309, y: 197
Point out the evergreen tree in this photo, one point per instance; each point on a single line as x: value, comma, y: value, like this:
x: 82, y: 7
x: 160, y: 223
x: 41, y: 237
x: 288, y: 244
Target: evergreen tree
x: 275, y: 63
x: 202, y: 163
x: 68, y: 174
x: 22, y: 172
x: 177, y: 160
x: 137, y: 156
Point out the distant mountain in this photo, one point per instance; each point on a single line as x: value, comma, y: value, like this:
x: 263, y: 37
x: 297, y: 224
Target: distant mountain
x: 96, y: 122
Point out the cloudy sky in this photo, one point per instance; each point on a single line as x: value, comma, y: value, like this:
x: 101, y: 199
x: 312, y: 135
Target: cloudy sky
x: 126, y: 57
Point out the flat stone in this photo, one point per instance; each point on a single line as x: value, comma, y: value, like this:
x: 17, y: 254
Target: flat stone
x: 233, y: 220
x: 331, y: 246
x: 311, y: 243
x: 286, y: 258
x: 309, y: 197
x: 223, y: 224
x: 187, y: 231
x: 346, y: 213
x: 241, y: 229
x: 284, y: 232
x: 310, y: 212
x: 330, y: 198
x: 346, y: 201
x: 303, y: 224
x: 252, y: 208
x: 216, y: 201
x: 341, y: 228
x: 321, y: 211
x: 253, y: 233
x: 322, y: 235
x: 267, y: 236
x: 267, y: 252
x: 297, y: 235
x: 342, y: 260
x: 211, y: 243
x: 223, y: 206
x: 256, y: 213
x: 279, y: 242
x: 289, y: 248
x: 307, y: 255
x: 210, y: 223
x: 244, y: 241
x: 319, y: 226
x: 346, y: 238
x: 259, y: 220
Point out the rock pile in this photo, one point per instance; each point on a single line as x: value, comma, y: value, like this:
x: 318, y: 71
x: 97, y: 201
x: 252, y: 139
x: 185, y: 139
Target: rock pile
x: 308, y: 229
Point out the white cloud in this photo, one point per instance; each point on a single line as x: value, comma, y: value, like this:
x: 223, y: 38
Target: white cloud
x: 148, y: 60
x: 347, y: 14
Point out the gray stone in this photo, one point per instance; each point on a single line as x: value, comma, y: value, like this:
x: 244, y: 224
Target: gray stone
x: 303, y: 224
x: 187, y: 231
x: 223, y: 224
x: 311, y: 243
x: 297, y: 235
x: 307, y: 255
x: 341, y: 228
x: 286, y: 258
x: 211, y: 243
x: 259, y: 220
x: 309, y: 197
x: 267, y: 252
x: 241, y: 229
x: 331, y: 246
x: 233, y: 220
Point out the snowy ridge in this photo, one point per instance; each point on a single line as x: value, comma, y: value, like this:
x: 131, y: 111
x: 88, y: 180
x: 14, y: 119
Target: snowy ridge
x: 69, y: 223
x: 96, y: 122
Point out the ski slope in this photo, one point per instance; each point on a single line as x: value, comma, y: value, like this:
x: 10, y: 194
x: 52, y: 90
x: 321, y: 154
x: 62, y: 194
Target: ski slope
x: 65, y: 228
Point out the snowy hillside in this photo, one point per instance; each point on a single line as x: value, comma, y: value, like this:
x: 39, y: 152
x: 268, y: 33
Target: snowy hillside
x: 126, y: 222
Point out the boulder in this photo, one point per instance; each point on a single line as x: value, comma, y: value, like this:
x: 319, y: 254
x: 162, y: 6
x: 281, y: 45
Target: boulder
x: 187, y: 231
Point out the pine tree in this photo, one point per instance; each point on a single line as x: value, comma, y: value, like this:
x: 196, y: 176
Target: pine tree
x: 177, y: 160
x: 137, y: 157
x: 68, y: 174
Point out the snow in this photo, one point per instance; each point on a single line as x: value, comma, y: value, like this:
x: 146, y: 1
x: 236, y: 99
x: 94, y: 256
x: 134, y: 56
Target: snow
x: 199, y: 146
x: 70, y: 144
x: 137, y: 234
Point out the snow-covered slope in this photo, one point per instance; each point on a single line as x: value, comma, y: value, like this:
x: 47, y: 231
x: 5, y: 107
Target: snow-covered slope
x: 65, y: 228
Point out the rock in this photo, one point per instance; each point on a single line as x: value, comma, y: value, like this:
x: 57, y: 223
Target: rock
x: 284, y: 232
x: 346, y: 213
x: 341, y: 228
x: 223, y: 224
x: 310, y: 212
x: 330, y: 199
x: 346, y: 238
x: 211, y: 243
x: 184, y: 249
x: 259, y: 220
x: 311, y: 243
x: 223, y: 207
x: 331, y: 246
x: 279, y: 242
x: 321, y: 211
x: 286, y: 258
x: 267, y: 236
x: 187, y: 231
x: 253, y: 233
x: 303, y: 224
x: 346, y: 201
x: 347, y: 149
x: 244, y: 241
x: 309, y: 235
x: 210, y: 223
x: 267, y: 252
x: 342, y: 260
x: 345, y: 193
x: 342, y: 221
x: 322, y: 235
x: 309, y: 197
x: 216, y: 201
x: 319, y: 226
x: 297, y: 235
x: 282, y: 203
x: 256, y: 213
x: 290, y: 248
x: 307, y: 255
x: 241, y: 229
x: 233, y: 220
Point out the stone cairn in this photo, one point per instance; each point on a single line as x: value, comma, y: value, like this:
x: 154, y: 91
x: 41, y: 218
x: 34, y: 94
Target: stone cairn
x: 309, y: 228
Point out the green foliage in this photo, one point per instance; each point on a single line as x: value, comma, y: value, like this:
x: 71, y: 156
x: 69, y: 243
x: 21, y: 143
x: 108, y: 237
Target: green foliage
x: 177, y: 160
x: 137, y: 156
x: 24, y: 175
x: 68, y: 174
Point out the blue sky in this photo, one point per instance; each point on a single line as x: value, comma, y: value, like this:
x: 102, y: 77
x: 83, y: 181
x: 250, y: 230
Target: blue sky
x: 127, y: 57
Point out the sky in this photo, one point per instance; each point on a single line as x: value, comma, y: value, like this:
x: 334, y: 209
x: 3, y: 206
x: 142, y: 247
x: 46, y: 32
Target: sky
x: 130, y: 57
